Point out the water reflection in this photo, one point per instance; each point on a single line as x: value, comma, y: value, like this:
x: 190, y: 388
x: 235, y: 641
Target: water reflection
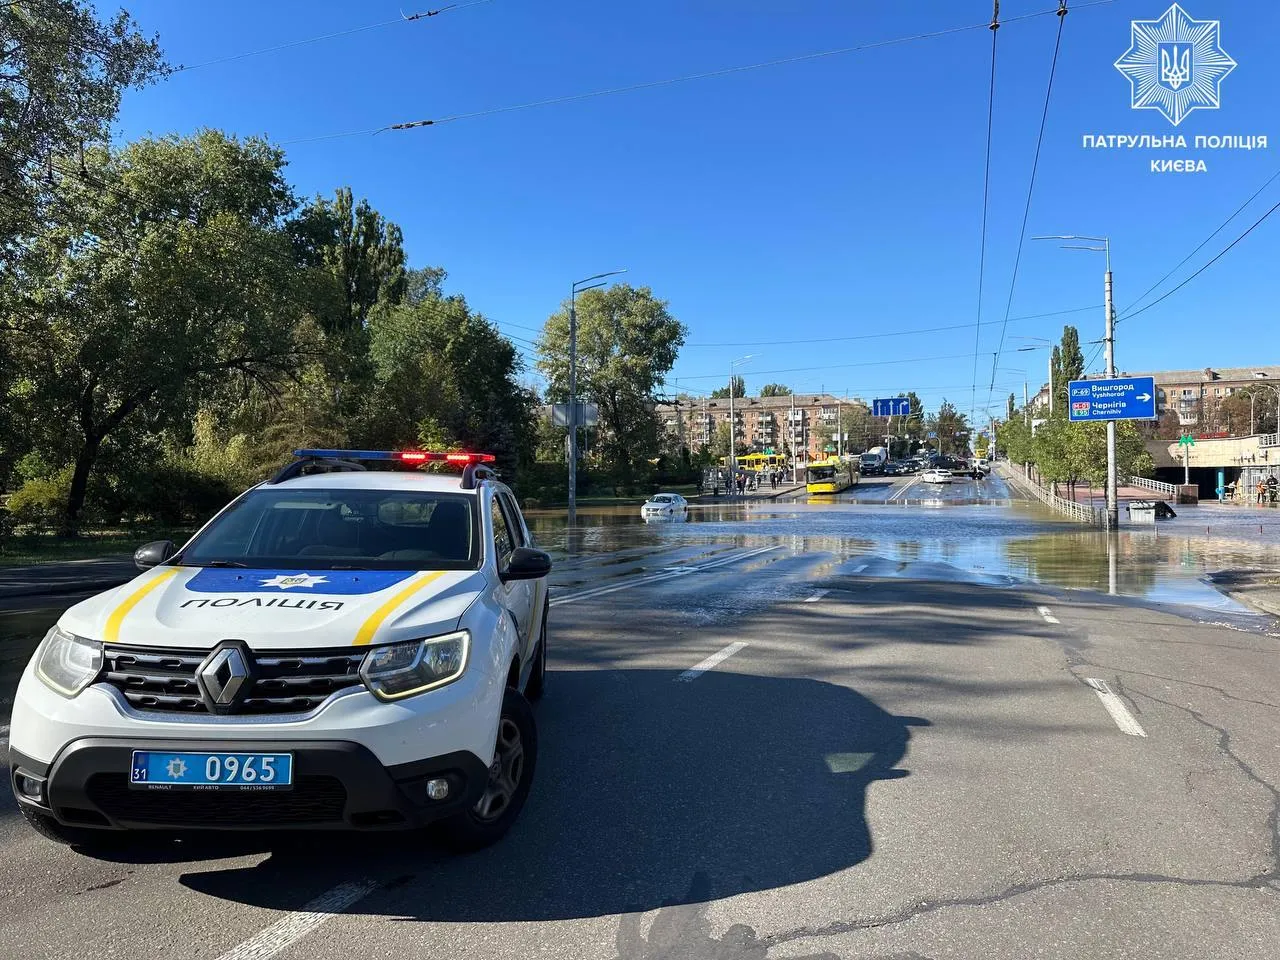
x: 1014, y: 540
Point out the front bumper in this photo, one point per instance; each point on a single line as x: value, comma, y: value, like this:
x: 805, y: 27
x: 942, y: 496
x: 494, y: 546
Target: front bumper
x: 337, y: 785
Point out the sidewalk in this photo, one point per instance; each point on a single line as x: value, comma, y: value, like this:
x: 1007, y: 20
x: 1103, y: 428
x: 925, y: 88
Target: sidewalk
x: 66, y: 576
x: 752, y: 496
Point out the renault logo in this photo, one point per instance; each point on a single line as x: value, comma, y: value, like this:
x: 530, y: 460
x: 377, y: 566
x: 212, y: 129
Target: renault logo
x: 226, y: 676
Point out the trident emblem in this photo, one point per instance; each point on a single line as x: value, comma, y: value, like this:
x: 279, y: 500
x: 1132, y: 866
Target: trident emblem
x: 1175, y: 64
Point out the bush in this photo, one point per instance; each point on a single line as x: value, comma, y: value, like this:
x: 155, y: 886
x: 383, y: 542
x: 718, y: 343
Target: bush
x: 39, y: 503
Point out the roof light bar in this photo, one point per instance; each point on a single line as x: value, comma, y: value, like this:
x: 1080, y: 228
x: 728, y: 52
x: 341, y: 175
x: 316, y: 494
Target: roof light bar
x: 405, y: 456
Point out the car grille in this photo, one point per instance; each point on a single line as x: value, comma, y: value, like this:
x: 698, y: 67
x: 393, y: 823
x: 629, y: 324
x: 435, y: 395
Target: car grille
x: 295, y: 681
x: 313, y: 800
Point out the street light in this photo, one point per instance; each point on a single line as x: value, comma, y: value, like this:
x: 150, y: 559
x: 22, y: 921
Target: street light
x: 1044, y: 345
x: 590, y: 283
x: 1275, y: 390
x: 733, y: 426
x: 1113, y: 503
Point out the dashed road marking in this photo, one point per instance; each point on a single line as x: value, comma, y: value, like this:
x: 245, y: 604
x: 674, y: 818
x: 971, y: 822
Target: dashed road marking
x: 294, y: 926
x: 658, y: 578
x: 1048, y: 615
x: 1115, y: 706
x: 717, y: 658
x: 817, y: 596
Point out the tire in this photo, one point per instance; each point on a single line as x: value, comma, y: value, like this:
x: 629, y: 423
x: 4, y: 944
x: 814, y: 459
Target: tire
x: 537, y: 685
x: 86, y: 841
x: 507, y: 789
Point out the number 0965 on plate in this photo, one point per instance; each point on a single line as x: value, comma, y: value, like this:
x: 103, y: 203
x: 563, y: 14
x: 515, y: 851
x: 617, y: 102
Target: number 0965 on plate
x: 155, y: 770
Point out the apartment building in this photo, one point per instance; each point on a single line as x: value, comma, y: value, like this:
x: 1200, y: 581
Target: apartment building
x: 1192, y: 394
x: 807, y: 423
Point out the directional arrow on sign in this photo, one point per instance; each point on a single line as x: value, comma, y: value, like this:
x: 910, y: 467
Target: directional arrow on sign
x: 1144, y: 397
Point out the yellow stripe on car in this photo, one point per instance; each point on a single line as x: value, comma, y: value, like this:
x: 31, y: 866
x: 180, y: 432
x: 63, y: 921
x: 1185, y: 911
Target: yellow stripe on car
x: 370, y: 626
x: 112, y: 632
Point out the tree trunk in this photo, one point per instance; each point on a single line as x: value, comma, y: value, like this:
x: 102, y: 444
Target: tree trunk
x: 85, y: 460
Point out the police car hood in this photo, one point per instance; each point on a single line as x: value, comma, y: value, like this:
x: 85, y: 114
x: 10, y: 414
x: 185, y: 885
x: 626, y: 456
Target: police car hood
x: 198, y: 607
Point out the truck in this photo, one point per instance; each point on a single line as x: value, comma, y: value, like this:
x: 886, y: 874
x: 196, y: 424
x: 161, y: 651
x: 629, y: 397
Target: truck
x: 872, y: 462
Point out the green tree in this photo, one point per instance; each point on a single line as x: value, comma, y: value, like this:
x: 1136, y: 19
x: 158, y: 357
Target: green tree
x: 443, y: 376
x: 1010, y: 406
x: 628, y: 342
x: 952, y: 428
x: 361, y: 250
x: 62, y: 72
x: 856, y: 423
x: 773, y: 390
x: 1067, y: 365
x: 166, y: 283
x: 739, y: 389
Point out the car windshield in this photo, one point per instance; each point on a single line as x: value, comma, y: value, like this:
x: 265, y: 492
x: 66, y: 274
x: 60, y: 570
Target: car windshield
x: 660, y: 498
x: 341, y: 529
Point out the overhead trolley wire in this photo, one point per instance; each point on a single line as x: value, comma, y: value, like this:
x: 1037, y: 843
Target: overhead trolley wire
x: 1031, y: 186
x: 403, y: 18
x: 994, y: 27
x: 688, y: 78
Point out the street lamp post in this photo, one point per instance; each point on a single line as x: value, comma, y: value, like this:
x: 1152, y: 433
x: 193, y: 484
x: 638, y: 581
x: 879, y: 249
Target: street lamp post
x: 733, y: 426
x: 1275, y: 390
x: 590, y: 283
x: 1113, y: 503
x: 1046, y: 345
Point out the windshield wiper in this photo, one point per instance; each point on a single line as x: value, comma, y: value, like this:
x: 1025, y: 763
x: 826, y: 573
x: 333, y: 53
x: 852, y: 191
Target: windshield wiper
x: 217, y: 563
x: 342, y: 567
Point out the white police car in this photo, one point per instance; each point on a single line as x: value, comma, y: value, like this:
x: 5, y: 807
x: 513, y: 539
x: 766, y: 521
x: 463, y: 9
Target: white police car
x: 339, y: 648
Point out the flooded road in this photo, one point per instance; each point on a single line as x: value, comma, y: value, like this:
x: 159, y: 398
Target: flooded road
x: 963, y: 532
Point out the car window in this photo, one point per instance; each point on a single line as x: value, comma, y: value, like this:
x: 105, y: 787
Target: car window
x: 503, y: 541
x: 518, y: 538
x: 341, y: 529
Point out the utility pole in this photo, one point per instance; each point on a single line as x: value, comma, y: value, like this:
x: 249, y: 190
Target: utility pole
x: 1113, y: 502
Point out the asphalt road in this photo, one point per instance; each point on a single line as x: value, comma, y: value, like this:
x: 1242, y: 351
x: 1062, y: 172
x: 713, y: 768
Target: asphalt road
x: 748, y: 752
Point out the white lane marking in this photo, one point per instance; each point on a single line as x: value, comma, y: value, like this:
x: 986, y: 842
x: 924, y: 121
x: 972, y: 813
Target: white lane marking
x: 1115, y: 706
x: 4, y: 734
x: 1048, y: 615
x: 719, y: 657
x: 658, y: 578
x: 817, y: 596
x: 294, y: 926
x: 905, y: 487
x: 860, y: 568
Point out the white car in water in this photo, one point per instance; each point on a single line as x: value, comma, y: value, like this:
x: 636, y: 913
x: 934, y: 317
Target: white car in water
x: 936, y: 476
x: 665, y: 506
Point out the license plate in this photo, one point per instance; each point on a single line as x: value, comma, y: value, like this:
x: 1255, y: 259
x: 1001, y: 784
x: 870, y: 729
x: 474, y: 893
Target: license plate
x: 154, y: 770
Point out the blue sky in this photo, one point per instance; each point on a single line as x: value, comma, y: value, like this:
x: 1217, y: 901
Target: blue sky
x: 838, y: 197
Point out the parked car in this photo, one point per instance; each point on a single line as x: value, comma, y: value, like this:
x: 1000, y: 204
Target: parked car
x: 339, y: 648
x: 936, y: 475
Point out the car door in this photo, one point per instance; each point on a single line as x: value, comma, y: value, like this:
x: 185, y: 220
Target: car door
x: 517, y: 595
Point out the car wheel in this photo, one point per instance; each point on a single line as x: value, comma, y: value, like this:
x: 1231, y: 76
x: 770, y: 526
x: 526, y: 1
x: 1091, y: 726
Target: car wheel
x: 86, y: 841
x: 537, y: 684
x: 510, y: 777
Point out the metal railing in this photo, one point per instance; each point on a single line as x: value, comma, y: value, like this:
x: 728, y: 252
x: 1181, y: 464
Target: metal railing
x: 1076, y: 511
x: 1269, y: 440
x: 1159, y: 486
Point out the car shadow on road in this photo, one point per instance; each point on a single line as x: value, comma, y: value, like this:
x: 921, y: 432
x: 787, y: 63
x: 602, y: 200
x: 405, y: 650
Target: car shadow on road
x: 649, y: 793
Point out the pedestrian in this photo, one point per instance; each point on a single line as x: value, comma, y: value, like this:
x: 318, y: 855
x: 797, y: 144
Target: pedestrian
x: 1262, y: 490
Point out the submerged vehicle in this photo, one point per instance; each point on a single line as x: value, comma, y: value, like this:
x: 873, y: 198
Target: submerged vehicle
x: 665, y: 506
x: 830, y: 476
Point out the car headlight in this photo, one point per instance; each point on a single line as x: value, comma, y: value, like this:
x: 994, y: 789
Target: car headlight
x: 67, y: 663
x: 403, y: 669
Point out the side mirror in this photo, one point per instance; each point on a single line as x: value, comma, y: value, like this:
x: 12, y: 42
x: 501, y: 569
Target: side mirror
x: 527, y: 564
x: 150, y: 554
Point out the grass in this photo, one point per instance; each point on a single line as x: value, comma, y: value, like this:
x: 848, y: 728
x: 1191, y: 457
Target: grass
x: 23, y: 549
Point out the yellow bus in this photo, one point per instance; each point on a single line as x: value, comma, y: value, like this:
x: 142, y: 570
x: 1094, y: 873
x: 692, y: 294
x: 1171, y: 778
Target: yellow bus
x: 831, y: 475
x: 759, y: 462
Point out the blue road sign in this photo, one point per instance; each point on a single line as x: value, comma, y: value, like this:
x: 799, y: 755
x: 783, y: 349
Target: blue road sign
x: 1124, y: 398
x: 933, y: 434
x: 891, y: 407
